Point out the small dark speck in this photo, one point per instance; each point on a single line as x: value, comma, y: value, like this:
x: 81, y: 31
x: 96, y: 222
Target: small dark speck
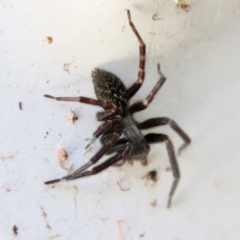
x: 15, y: 230
x: 142, y: 235
x: 183, y: 5
x: 49, y: 39
x: 152, y: 175
x: 20, y: 105
x: 154, y: 203
x: 119, y: 184
x: 73, y: 117
x: 46, y: 132
x: 168, y: 169
x: 156, y: 17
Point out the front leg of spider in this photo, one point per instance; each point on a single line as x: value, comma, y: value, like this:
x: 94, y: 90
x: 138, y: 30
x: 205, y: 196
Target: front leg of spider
x: 142, y: 49
x: 91, y: 101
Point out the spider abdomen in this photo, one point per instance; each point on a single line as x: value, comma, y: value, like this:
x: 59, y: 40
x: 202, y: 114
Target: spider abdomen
x: 109, y: 88
x: 140, y: 148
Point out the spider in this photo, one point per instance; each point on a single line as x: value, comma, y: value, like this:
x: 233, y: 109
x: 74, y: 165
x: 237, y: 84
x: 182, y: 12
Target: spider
x: 120, y: 132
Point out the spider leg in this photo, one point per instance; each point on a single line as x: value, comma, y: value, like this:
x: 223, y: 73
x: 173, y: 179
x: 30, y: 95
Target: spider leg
x: 117, y: 148
x: 91, y: 101
x: 139, y: 106
x: 111, y: 161
x: 103, y: 115
x: 103, y: 129
x: 97, y: 169
x: 93, y: 160
x: 154, y: 122
x: 155, y: 138
x: 141, y: 73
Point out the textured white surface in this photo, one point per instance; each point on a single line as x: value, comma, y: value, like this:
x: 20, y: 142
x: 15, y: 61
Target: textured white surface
x: 199, y: 53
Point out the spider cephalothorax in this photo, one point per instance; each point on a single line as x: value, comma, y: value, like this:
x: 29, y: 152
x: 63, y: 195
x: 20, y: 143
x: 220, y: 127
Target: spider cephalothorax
x: 120, y: 132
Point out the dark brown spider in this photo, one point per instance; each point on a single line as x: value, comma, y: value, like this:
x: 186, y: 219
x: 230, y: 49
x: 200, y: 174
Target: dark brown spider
x: 120, y: 132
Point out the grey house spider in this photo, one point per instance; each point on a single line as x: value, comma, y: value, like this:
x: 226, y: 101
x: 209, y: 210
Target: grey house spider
x: 120, y: 132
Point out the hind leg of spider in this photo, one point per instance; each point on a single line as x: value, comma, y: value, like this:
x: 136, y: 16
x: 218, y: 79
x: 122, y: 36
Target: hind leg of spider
x: 99, y: 168
x: 154, y: 122
x: 139, y: 106
x: 91, y: 101
x: 142, y: 48
x: 103, y: 115
x: 103, y: 129
x: 117, y: 148
x: 156, y: 138
x: 110, y: 162
x: 93, y: 160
